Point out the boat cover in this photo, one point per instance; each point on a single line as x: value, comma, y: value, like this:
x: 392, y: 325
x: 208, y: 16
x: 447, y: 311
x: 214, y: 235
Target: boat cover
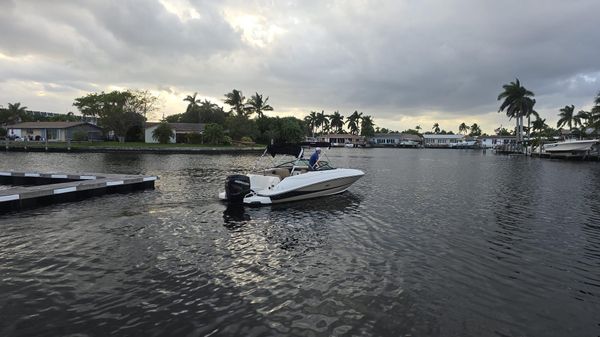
x: 291, y: 149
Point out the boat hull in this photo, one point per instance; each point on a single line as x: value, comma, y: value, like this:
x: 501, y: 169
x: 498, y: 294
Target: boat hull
x: 570, y: 146
x: 304, y: 186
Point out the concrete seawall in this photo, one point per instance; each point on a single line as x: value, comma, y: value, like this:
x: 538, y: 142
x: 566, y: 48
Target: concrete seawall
x: 77, y: 148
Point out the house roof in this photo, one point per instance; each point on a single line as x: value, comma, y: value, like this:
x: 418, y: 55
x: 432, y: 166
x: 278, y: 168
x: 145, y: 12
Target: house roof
x: 401, y: 136
x: 434, y: 136
x: 496, y: 137
x: 388, y: 135
x: 180, y: 127
x: 341, y: 135
x: 48, y: 125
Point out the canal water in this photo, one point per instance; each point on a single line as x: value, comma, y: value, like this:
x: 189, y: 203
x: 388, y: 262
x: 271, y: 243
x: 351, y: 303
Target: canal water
x: 427, y: 243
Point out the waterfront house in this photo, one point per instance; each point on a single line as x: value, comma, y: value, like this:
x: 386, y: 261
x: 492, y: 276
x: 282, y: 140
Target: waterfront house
x: 395, y: 140
x: 490, y: 142
x: 437, y: 140
x: 54, y: 131
x: 342, y: 139
x: 179, y: 134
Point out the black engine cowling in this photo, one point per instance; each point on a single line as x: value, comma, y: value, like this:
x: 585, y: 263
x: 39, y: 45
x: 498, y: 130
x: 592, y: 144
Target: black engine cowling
x: 236, y: 187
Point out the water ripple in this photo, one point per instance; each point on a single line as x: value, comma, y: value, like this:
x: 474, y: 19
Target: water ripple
x: 428, y: 243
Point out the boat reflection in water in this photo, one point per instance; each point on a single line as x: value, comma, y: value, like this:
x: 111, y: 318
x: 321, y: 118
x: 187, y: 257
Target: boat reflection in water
x: 237, y: 215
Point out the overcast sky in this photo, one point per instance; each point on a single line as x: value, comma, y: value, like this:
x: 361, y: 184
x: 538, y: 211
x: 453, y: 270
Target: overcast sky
x: 404, y: 62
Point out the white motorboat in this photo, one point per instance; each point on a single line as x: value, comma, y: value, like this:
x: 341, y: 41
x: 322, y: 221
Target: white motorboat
x: 290, y: 181
x: 570, y: 146
x: 464, y: 144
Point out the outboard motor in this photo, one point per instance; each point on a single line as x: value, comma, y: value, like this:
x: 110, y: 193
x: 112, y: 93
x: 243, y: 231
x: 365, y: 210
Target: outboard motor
x: 236, y: 187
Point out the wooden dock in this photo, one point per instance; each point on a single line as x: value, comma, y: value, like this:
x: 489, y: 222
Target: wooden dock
x: 34, y: 189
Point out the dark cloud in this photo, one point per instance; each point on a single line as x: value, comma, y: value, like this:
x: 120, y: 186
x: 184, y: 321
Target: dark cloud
x: 388, y: 58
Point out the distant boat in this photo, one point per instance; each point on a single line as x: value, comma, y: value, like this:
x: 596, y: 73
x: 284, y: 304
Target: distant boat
x: 464, y: 144
x: 570, y: 146
x: 570, y: 149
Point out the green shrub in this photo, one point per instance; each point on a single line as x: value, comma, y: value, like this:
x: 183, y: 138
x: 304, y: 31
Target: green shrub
x: 227, y: 140
x: 241, y: 126
x: 163, y: 133
x: 213, y: 134
x: 194, y: 138
x: 80, y: 136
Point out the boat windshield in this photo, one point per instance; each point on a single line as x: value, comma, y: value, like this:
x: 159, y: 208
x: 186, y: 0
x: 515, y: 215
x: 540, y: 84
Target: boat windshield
x: 303, y: 163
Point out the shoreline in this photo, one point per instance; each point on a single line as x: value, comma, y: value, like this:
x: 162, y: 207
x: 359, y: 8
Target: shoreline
x: 151, y: 150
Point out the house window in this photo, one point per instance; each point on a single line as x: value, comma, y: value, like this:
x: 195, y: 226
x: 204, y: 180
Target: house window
x: 52, y: 134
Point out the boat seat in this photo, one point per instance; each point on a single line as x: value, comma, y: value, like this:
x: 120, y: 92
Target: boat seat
x: 279, y: 172
x: 300, y: 170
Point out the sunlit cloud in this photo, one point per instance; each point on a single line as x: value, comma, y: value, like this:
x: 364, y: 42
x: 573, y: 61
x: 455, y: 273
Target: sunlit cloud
x: 181, y: 8
x: 405, y: 63
x: 256, y: 30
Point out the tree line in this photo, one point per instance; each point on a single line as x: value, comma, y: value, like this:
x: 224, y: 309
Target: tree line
x: 518, y: 103
x: 356, y: 123
x: 125, y: 112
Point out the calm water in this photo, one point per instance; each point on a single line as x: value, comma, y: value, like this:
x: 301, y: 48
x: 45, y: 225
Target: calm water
x: 428, y: 243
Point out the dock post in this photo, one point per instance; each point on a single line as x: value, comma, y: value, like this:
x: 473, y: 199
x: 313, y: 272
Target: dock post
x: 46, y: 142
x: 68, y: 144
x: 26, y: 140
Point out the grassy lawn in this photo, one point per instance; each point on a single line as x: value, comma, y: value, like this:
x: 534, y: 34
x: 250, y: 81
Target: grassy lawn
x: 135, y: 145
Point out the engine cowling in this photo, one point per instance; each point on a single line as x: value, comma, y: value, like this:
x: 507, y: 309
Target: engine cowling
x: 237, y: 186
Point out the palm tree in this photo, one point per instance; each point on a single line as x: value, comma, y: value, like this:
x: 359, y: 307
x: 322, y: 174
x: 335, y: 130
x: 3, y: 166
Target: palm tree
x: 322, y: 121
x: 475, y: 130
x: 257, y: 105
x: 436, y: 128
x: 325, y: 127
x: 418, y: 128
x: 517, y: 102
x: 206, y: 104
x: 193, y: 101
x: 366, y: 126
x: 567, y: 117
x: 16, y: 113
x: 336, y: 121
x: 353, y: 121
x: 528, y: 113
x: 236, y: 100
x: 539, y: 125
x: 594, y: 120
x: 586, y: 119
x: 463, y: 128
x: 209, y: 112
x: 311, y: 121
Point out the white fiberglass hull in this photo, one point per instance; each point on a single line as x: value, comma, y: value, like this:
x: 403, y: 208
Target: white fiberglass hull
x: 308, y: 185
x: 570, y: 146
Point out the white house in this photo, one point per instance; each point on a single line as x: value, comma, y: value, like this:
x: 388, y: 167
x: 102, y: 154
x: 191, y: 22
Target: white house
x: 54, y: 131
x: 436, y: 140
x: 338, y: 139
x: 490, y: 142
x: 179, y: 131
x: 395, y: 139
